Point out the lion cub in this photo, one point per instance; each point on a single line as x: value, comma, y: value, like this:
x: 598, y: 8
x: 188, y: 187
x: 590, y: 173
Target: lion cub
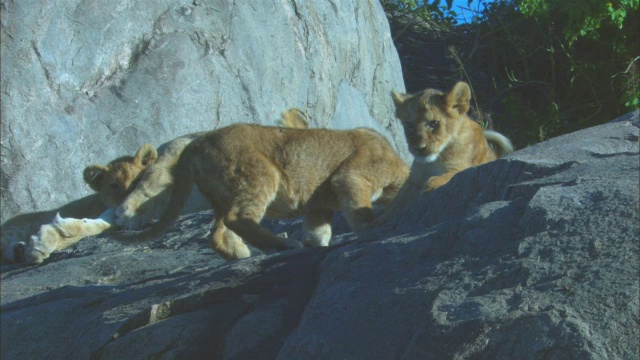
x: 85, y: 216
x: 442, y: 138
x: 248, y: 172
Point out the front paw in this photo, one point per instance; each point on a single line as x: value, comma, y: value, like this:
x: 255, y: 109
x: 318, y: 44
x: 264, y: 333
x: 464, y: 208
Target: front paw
x: 41, y: 245
x: 35, y: 257
x: 132, y: 215
x: 433, y: 183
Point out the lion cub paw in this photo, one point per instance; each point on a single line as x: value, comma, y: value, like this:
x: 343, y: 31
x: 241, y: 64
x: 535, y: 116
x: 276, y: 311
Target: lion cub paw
x: 434, y: 182
x: 42, y: 244
x: 130, y: 215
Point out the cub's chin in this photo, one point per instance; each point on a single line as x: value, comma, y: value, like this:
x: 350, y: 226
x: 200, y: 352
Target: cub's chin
x: 427, y: 159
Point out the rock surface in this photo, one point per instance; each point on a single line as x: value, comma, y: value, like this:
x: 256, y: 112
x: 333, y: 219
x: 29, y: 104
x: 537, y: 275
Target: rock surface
x: 85, y: 82
x: 532, y: 256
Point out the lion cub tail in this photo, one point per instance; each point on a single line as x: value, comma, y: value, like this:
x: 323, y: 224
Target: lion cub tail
x: 294, y: 118
x: 183, y: 182
x: 498, y: 142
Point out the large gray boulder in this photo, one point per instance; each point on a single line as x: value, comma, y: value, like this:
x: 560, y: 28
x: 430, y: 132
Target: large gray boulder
x: 84, y: 81
x: 534, y: 256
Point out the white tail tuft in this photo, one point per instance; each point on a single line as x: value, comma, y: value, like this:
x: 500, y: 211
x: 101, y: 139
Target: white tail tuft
x: 499, y: 142
x: 294, y: 118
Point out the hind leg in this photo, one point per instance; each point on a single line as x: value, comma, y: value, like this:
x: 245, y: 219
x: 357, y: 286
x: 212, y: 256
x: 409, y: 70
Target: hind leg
x: 226, y: 243
x: 317, y: 226
x: 247, y: 209
x: 244, y: 220
x: 243, y: 197
x: 354, y: 195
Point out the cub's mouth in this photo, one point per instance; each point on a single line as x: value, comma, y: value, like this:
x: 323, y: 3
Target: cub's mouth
x: 423, y: 152
x: 427, y: 159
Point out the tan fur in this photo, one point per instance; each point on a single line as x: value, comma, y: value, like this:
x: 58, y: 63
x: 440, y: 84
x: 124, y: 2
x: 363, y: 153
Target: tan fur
x: 111, y: 183
x: 442, y: 139
x: 62, y: 233
x: 15, y: 232
x: 138, y: 187
x: 440, y: 134
x: 248, y: 172
x: 149, y: 198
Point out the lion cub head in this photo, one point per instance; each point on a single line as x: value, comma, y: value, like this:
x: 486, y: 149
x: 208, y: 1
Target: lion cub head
x: 114, y: 181
x: 432, y: 119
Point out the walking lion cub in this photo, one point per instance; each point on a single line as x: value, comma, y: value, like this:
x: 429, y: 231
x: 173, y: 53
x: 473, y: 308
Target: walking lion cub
x: 442, y: 138
x: 133, y: 191
x: 248, y: 172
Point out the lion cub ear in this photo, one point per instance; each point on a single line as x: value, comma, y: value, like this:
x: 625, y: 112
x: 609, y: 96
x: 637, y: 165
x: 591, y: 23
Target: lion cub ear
x: 93, y: 175
x: 459, y: 98
x: 398, y: 98
x: 147, y: 155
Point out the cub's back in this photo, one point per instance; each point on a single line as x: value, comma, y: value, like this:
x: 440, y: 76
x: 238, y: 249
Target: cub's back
x: 294, y: 147
x: 309, y: 155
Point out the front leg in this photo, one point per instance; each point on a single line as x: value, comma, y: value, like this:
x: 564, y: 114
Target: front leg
x: 408, y: 193
x: 141, y: 208
x: 62, y: 233
x: 435, y: 182
x: 131, y: 214
x: 354, y: 195
x: 317, y: 228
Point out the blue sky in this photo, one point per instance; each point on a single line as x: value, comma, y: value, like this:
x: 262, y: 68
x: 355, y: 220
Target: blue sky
x: 462, y: 14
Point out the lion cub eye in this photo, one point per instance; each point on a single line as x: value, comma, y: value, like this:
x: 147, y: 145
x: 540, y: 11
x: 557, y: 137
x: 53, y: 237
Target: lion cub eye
x: 434, y: 124
x: 409, y: 125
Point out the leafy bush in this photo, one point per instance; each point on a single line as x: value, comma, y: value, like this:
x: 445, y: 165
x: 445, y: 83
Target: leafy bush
x: 556, y: 65
x: 432, y: 12
x: 562, y: 65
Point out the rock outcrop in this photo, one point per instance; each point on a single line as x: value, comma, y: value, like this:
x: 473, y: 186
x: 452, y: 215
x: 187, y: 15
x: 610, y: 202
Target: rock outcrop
x: 531, y: 256
x: 84, y: 82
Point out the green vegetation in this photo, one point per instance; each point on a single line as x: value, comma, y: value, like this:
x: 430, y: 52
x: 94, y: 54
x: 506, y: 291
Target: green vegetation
x: 434, y: 13
x: 556, y: 65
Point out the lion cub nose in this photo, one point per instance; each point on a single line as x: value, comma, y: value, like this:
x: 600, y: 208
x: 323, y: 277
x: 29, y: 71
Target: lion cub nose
x: 420, y: 147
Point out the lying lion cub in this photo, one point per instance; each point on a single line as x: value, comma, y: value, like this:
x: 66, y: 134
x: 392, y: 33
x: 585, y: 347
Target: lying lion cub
x: 248, y: 172
x: 131, y: 191
x: 111, y: 183
x: 442, y: 139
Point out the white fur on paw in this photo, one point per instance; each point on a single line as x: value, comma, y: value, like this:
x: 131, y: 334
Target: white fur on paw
x: 41, y: 245
x: 320, y: 236
x: 242, y: 252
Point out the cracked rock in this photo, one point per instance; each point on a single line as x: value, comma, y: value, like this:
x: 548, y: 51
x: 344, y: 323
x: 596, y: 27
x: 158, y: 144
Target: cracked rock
x: 139, y: 72
x: 531, y: 256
